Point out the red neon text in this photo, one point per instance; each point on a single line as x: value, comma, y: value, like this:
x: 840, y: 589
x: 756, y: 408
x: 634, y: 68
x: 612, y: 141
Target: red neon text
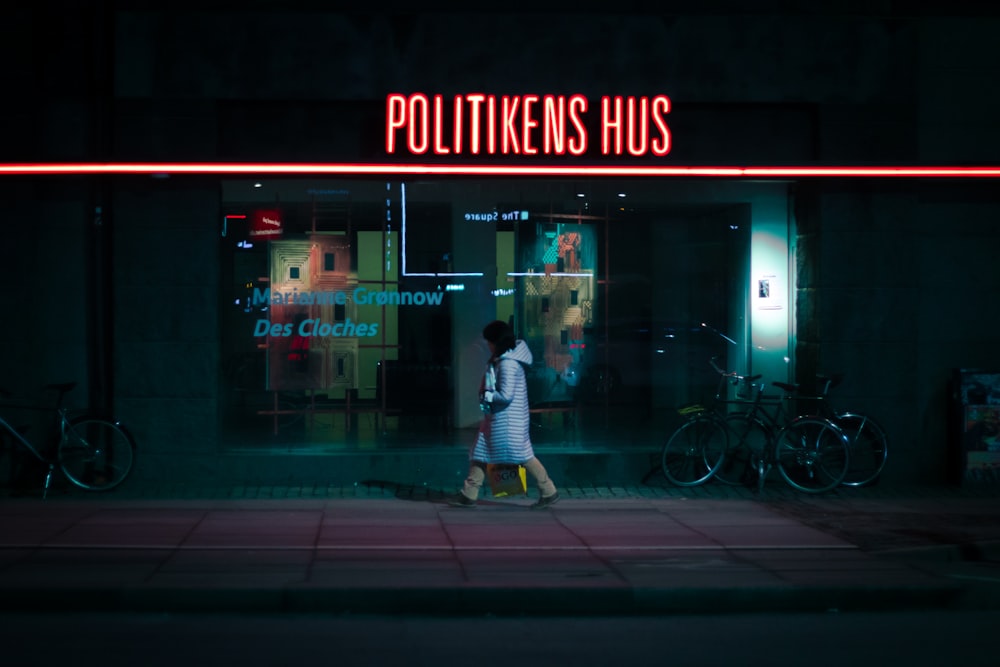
x: 627, y: 121
x: 476, y: 124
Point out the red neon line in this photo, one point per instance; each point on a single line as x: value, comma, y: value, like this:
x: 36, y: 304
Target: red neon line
x: 364, y: 169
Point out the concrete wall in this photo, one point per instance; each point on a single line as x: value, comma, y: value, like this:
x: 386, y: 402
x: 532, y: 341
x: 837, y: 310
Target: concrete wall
x: 894, y: 287
x: 166, y: 333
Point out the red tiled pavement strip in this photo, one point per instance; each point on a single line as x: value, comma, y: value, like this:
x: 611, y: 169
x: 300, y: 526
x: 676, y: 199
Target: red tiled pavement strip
x: 386, y: 554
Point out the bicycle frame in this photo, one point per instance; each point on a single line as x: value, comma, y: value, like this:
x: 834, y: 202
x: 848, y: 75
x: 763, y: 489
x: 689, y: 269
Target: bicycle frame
x: 755, y: 408
x: 692, y: 454
x: 49, y: 462
x: 730, y: 378
x: 775, y: 420
x: 93, y: 452
x: 866, y: 437
x: 27, y: 444
x: 758, y: 455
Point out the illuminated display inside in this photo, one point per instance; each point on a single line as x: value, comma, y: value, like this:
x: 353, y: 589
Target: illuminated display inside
x: 476, y: 124
x: 266, y: 225
x: 494, y: 216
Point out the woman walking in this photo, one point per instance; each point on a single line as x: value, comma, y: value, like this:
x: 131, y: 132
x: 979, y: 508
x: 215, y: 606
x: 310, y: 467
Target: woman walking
x: 504, y: 430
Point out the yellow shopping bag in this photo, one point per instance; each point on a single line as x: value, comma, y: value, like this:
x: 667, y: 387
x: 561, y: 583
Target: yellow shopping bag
x: 507, y: 479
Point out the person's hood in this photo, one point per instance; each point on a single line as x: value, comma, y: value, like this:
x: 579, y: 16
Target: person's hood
x: 520, y: 353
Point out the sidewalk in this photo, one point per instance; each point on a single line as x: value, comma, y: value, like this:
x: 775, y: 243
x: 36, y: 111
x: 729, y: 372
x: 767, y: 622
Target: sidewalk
x: 375, y: 549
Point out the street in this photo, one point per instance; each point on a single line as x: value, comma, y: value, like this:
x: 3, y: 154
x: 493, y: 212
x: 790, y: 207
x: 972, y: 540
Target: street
x: 932, y: 638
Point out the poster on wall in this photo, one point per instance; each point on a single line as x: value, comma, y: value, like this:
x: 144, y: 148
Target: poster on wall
x: 978, y: 393
x: 982, y: 440
x: 769, y: 293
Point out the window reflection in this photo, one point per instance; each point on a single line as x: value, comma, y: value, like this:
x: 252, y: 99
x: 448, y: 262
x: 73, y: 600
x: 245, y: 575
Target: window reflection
x: 358, y: 327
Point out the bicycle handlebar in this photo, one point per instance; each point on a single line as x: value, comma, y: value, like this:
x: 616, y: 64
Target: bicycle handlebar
x: 733, y: 374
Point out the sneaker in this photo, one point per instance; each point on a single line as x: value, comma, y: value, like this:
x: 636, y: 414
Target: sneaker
x: 545, y: 501
x: 460, y: 500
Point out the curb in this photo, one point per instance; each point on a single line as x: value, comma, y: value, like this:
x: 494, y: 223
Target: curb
x: 986, y: 551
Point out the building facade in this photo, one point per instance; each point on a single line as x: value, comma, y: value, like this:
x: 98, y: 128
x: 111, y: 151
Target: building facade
x: 324, y: 326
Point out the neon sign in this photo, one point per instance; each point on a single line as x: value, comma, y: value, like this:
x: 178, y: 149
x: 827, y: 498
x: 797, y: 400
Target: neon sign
x: 348, y: 169
x: 525, y: 125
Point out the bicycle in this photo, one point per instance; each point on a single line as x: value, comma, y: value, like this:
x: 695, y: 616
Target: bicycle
x: 694, y: 451
x: 93, y: 453
x: 811, y: 452
x: 868, y: 441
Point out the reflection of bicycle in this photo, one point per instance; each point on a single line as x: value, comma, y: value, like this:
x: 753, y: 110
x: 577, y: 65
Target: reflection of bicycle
x: 93, y: 453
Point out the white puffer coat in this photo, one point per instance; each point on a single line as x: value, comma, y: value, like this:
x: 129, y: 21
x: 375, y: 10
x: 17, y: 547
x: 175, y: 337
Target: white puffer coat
x: 504, y: 432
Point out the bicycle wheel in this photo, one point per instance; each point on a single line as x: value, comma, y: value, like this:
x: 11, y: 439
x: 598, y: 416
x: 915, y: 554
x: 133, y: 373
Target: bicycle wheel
x: 694, y: 451
x: 747, y: 438
x: 96, y: 454
x: 869, y: 448
x: 812, y: 454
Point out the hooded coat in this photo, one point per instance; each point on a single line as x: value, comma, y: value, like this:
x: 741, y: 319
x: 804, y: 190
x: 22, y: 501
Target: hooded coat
x: 504, y: 431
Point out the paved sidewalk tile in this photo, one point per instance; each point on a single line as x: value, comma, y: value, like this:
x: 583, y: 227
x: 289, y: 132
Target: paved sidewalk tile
x: 622, y: 552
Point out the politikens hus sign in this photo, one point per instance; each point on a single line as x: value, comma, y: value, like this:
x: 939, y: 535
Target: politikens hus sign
x: 526, y: 125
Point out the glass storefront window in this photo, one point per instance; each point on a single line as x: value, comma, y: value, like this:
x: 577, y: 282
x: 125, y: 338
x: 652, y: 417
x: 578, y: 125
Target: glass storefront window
x: 353, y: 308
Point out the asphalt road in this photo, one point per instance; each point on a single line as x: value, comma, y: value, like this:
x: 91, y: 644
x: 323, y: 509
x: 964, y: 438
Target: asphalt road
x: 913, y: 639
